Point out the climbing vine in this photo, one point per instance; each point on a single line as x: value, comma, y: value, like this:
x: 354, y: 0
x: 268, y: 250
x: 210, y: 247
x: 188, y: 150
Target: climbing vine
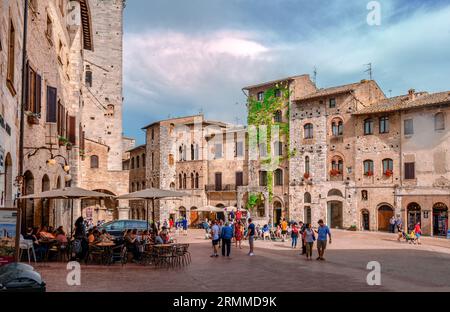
x: 261, y: 113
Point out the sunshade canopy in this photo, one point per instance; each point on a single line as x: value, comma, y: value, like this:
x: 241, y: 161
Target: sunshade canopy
x: 68, y: 192
x: 153, y: 193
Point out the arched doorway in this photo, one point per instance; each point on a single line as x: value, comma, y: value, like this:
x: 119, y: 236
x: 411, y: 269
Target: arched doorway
x: 414, y: 215
x: 385, y: 213
x: 28, y: 218
x: 335, y: 214
x: 277, y: 213
x: 8, y: 181
x: 365, y: 220
x: 440, y: 219
x: 45, y: 208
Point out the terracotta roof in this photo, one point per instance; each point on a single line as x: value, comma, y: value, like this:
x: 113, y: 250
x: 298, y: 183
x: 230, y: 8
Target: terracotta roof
x: 273, y: 82
x: 404, y: 102
x: 333, y: 90
x: 136, y: 148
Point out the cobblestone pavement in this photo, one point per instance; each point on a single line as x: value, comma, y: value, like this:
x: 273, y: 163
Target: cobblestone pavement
x: 277, y: 267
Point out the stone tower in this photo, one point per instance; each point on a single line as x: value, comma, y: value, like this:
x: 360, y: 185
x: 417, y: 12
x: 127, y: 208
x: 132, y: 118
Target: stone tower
x: 102, y: 83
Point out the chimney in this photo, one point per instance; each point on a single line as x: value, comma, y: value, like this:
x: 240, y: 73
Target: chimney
x: 412, y: 94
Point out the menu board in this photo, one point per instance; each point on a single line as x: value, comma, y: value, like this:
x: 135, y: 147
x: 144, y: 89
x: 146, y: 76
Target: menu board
x: 9, y: 221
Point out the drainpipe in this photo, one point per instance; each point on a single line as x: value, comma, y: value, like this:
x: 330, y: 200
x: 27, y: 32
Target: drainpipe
x: 23, y: 101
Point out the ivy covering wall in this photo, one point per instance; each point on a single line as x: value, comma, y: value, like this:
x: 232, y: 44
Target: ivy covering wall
x: 261, y: 113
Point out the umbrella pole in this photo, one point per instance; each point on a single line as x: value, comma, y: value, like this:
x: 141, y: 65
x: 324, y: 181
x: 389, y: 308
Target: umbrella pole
x: 71, y: 216
x: 153, y: 211
x: 146, y: 213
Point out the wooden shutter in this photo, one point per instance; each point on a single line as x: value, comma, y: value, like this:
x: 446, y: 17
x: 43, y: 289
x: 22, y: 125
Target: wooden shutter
x: 239, y: 178
x: 409, y: 170
x: 72, y: 130
x: 51, y: 105
x: 38, y: 96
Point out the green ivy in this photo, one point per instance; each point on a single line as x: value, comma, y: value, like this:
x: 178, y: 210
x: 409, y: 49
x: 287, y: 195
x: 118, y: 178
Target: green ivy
x: 261, y: 113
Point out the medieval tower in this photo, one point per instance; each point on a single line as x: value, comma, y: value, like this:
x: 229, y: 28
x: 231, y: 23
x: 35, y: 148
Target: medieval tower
x: 102, y: 90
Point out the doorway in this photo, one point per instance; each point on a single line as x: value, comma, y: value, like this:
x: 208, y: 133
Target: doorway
x: 277, y: 213
x: 414, y: 215
x: 365, y: 220
x: 335, y: 215
x: 385, y: 213
x: 308, y: 218
x: 440, y: 219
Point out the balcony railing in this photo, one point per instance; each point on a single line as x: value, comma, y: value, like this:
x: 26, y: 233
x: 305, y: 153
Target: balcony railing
x: 220, y: 188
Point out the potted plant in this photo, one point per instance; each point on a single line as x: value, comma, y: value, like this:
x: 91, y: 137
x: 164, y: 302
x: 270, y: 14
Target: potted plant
x: 334, y: 172
x: 306, y: 176
x: 388, y: 173
x: 33, y: 118
x: 369, y: 173
x: 62, y: 141
x: 69, y: 146
x: 352, y: 228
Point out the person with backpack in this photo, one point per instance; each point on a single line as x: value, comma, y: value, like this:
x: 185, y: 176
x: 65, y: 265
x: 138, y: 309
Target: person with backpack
x: 308, y: 238
x: 323, y: 232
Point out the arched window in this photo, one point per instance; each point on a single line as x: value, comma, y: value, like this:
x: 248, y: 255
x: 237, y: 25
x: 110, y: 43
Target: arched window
x: 192, y: 181
x: 388, y: 167
x: 171, y: 160
x: 197, y: 178
x: 337, y: 166
x: 335, y: 192
x: 307, y: 198
x: 180, y: 153
x: 172, y: 186
x: 384, y: 124
x: 439, y: 121
x: 368, y: 168
x: 278, y: 177
x: 133, y: 189
x: 262, y: 178
x: 184, y: 181
x: 368, y: 126
x: 180, y: 181
x: 278, y: 116
x: 88, y: 77
x: 138, y: 161
x: 192, y: 152
x: 94, y: 161
x: 144, y: 185
x: 143, y: 160
x: 337, y: 127
x: 309, y: 131
x: 307, y: 165
x: 132, y: 163
x: 262, y: 150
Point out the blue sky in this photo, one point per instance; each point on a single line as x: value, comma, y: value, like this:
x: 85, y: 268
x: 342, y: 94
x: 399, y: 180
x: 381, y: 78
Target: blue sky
x: 182, y: 57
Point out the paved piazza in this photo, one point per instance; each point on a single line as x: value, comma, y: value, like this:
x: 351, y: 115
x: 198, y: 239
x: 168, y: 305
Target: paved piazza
x: 276, y: 267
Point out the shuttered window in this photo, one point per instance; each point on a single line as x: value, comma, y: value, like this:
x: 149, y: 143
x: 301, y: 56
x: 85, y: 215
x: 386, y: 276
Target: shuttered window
x: 410, y: 172
x: 51, y: 105
x: 239, y: 178
x: 61, y: 120
x: 33, y: 91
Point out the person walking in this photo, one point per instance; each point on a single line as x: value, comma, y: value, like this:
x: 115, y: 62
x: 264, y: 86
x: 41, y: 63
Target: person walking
x: 308, y: 238
x: 227, y: 235
x: 418, y: 232
x: 302, y: 228
x: 294, y: 235
x: 322, y: 232
x: 251, y: 236
x: 238, y: 233
x: 284, y: 226
x: 215, y: 238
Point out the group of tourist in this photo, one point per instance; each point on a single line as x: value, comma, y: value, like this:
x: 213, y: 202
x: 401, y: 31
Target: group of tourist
x: 40, y: 237
x: 222, y: 233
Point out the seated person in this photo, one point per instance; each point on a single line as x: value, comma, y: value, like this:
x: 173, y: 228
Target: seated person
x: 61, y: 236
x: 91, y: 237
x: 44, y: 234
x: 106, y: 237
x: 132, y: 245
x: 164, y: 235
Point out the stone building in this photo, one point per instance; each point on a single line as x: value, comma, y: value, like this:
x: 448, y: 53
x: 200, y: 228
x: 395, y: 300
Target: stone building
x: 10, y: 90
x: 190, y: 154
x: 272, y: 181
x: 417, y: 141
x: 323, y: 167
x: 137, y: 180
x: 59, y: 135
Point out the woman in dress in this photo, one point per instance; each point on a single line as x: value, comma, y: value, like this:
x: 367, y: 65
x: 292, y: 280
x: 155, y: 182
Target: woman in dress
x: 238, y: 233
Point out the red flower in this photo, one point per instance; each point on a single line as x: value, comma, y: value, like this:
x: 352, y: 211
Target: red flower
x: 306, y: 175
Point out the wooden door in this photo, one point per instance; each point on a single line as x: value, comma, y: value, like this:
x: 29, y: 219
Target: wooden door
x: 385, y: 214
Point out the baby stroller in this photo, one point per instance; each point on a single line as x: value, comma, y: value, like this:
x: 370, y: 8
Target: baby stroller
x: 410, y: 238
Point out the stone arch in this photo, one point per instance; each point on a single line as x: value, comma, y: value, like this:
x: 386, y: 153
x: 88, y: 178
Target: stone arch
x: 335, y: 192
x: 440, y: 219
x: 277, y: 211
x: 365, y: 220
x: 29, y: 188
x: 414, y: 215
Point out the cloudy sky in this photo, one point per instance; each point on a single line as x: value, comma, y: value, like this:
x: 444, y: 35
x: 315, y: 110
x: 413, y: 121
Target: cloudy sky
x: 182, y: 57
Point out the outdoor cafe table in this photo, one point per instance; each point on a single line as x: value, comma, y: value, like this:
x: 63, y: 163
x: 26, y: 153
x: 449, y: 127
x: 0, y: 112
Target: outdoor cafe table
x: 48, y: 243
x: 107, y: 251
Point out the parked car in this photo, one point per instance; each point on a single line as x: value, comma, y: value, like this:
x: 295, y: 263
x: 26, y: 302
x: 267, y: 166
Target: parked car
x: 116, y: 228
